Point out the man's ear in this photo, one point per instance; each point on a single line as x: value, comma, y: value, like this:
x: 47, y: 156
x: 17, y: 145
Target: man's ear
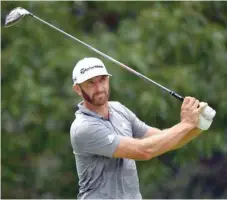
x: 77, y: 89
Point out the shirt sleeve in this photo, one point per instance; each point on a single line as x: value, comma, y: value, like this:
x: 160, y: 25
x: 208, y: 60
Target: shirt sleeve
x: 93, y: 139
x: 139, y: 128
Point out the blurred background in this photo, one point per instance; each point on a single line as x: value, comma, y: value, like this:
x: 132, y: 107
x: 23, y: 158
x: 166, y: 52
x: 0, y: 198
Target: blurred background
x: 182, y: 45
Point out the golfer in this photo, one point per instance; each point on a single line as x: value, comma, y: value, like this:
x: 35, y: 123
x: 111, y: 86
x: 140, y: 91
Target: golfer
x: 107, y: 137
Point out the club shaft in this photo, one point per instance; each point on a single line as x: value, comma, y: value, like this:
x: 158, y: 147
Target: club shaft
x: 111, y: 59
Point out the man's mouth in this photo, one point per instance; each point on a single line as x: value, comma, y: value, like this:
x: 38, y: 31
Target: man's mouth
x: 100, y: 94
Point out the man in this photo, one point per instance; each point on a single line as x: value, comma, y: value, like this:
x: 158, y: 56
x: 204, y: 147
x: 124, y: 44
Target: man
x: 107, y: 137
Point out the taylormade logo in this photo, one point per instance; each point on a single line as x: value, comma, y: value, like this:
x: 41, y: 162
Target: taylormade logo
x: 83, y: 70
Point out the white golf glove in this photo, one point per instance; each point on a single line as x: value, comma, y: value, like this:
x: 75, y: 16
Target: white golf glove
x: 206, y: 117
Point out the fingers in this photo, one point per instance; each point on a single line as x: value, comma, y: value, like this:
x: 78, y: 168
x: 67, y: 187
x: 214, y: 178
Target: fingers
x: 196, y: 104
x: 185, y: 102
x: 190, y: 102
x: 191, y: 110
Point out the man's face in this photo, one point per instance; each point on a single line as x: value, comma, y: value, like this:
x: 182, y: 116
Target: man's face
x: 95, y: 90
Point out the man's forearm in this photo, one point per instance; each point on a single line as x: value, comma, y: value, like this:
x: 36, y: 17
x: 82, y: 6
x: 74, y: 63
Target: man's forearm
x: 187, y: 138
x: 166, y: 140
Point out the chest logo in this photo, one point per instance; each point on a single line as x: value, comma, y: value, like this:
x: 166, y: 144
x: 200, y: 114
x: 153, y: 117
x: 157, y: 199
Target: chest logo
x: 124, y: 125
x: 111, y: 138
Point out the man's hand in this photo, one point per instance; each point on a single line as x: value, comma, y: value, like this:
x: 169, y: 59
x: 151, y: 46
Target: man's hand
x: 190, y: 111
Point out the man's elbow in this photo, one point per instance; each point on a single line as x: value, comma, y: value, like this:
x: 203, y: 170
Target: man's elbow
x: 145, y: 156
x: 148, y: 154
x: 141, y: 155
x: 153, y: 153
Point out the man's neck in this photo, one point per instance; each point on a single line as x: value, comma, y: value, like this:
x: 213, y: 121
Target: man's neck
x: 101, y: 110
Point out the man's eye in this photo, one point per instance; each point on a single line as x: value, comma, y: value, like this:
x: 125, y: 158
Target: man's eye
x: 103, y: 78
x: 90, y: 82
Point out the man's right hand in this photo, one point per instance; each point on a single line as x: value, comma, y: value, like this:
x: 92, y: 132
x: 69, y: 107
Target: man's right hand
x: 190, y: 111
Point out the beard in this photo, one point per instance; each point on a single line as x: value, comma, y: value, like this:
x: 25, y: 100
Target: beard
x: 97, y: 99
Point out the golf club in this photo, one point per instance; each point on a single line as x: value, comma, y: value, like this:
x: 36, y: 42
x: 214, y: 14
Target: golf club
x: 18, y: 13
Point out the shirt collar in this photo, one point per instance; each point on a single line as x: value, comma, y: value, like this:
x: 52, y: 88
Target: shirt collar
x: 83, y: 109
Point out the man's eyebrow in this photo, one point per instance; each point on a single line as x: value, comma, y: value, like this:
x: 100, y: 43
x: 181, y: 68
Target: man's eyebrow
x: 90, y: 79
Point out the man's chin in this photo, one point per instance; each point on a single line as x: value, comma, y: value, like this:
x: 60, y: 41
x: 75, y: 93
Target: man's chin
x: 100, y: 102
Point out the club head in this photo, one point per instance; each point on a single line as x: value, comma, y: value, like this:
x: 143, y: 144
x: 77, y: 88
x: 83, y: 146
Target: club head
x: 15, y: 16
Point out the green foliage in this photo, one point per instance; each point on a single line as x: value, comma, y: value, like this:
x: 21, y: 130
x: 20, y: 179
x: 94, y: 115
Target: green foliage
x: 181, y: 45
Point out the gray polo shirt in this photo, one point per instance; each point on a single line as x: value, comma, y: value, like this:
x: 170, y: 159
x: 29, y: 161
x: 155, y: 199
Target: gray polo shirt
x: 94, y: 140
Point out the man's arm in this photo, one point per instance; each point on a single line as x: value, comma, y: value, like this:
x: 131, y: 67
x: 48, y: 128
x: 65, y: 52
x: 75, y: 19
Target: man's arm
x: 189, y: 137
x: 167, y: 140
x: 95, y: 139
x: 186, y: 139
x: 150, y: 147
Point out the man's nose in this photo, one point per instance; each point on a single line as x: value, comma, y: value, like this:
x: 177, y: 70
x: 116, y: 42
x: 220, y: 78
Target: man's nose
x: 98, y: 87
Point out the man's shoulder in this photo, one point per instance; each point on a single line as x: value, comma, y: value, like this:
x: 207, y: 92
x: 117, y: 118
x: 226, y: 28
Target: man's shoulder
x: 82, y: 125
x: 85, y: 125
x: 116, y: 105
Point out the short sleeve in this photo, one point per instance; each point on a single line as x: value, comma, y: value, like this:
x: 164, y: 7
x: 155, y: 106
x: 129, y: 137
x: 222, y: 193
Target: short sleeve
x: 93, y: 139
x: 139, y: 128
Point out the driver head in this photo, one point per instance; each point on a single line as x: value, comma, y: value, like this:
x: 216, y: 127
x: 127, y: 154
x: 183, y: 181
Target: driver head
x: 15, y: 16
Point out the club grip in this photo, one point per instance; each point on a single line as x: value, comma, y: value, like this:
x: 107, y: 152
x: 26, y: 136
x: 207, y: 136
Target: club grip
x: 176, y: 95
